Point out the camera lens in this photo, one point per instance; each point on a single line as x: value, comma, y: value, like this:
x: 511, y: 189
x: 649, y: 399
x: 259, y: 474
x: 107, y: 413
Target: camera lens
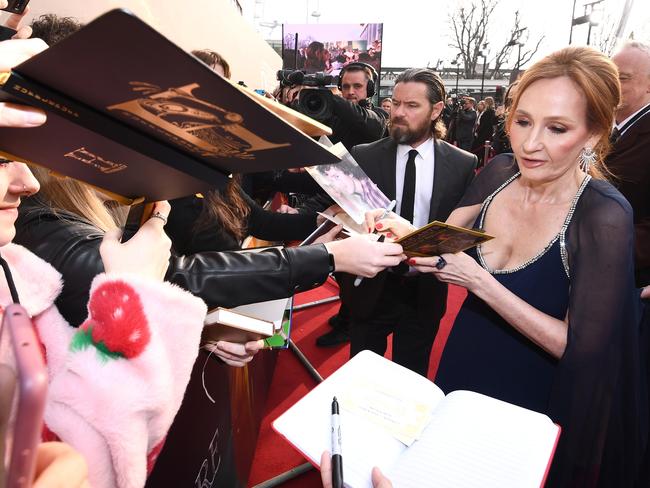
x: 313, y: 103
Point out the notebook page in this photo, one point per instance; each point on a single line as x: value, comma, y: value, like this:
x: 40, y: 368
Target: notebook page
x: 307, y: 423
x: 475, y: 440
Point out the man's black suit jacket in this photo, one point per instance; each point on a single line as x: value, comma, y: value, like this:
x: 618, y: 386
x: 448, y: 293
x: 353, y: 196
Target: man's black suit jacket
x: 629, y: 161
x: 453, y: 171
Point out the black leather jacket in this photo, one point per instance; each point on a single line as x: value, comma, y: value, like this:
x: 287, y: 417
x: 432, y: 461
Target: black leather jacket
x: 228, y: 279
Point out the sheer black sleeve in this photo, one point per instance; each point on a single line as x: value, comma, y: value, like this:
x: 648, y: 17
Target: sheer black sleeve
x: 598, y: 396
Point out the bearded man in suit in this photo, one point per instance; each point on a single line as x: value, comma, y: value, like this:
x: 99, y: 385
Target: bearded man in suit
x: 427, y: 177
x: 629, y: 160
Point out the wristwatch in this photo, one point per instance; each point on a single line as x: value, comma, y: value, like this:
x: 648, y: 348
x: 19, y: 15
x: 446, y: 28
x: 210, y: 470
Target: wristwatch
x: 332, y: 264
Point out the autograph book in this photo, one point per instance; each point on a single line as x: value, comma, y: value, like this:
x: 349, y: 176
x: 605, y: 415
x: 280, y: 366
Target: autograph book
x: 437, y: 238
x: 399, y: 421
x: 135, y: 115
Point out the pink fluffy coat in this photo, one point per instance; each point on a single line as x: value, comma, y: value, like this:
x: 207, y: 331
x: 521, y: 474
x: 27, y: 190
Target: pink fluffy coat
x: 115, y: 411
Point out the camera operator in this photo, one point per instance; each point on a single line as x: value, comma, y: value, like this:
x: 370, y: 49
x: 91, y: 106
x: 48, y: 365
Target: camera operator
x: 347, y: 111
x: 355, y: 120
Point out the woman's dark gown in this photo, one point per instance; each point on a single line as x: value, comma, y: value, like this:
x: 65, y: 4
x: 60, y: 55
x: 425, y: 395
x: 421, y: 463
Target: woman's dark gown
x: 596, y: 390
x: 487, y: 355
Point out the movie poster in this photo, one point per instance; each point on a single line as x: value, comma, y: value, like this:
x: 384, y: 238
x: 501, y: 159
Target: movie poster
x: 330, y: 47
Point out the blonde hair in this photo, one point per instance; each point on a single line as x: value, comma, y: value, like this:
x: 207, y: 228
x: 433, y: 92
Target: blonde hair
x: 596, y: 77
x: 78, y: 198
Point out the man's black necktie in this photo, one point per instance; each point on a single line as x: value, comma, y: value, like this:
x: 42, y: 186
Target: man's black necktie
x: 614, y: 136
x: 408, y: 192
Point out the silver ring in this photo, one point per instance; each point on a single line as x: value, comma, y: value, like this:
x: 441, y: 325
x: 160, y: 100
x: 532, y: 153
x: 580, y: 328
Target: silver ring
x: 441, y: 262
x: 158, y: 215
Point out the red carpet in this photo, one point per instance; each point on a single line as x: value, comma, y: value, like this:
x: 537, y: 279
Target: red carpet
x: 291, y: 381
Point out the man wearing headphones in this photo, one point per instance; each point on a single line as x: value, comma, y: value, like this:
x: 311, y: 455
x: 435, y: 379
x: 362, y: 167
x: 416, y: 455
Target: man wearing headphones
x: 355, y: 120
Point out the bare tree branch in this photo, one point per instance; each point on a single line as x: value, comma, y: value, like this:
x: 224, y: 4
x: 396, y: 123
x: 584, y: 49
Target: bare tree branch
x: 605, y: 38
x: 527, y: 55
x: 470, y: 34
x: 470, y: 29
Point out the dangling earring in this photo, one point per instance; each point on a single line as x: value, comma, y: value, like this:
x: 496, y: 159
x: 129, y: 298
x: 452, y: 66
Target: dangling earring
x: 587, y: 158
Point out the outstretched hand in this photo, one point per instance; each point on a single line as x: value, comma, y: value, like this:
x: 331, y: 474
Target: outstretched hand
x: 146, y: 253
x: 362, y: 255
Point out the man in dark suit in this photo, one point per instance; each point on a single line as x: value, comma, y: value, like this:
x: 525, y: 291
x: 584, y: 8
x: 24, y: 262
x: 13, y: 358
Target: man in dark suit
x: 629, y: 160
x: 427, y: 177
x: 465, y: 124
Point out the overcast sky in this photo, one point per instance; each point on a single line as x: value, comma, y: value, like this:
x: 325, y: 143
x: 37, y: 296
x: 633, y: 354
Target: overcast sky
x: 416, y: 32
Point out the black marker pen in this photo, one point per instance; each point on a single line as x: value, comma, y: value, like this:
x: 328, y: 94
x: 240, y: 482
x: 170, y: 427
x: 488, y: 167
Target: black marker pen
x: 337, y: 458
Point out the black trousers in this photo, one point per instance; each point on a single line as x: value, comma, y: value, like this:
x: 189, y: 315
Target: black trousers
x: 397, y: 312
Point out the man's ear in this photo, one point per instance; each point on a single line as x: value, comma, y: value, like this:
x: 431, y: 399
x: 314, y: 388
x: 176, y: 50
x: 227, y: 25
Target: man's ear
x: 437, y: 110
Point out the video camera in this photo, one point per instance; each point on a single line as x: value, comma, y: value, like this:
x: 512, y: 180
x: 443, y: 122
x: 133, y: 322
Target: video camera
x: 457, y: 101
x: 316, y: 102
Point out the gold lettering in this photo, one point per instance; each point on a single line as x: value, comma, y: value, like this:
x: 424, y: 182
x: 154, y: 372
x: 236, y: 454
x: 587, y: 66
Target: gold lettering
x: 104, y: 165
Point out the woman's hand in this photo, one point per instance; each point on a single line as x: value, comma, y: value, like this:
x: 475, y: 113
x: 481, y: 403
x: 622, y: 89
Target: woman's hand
x: 392, y: 226
x: 458, y: 269
x: 235, y: 354
x: 361, y: 255
x: 378, y: 479
x: 146, y: 253
x: 57, y: 464
x: 645, y: 292
x: 12, y: 53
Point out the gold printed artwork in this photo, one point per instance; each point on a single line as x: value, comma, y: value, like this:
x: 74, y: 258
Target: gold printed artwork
x: 87, y: 157
x: 52, y: 103
x: 197, y: 125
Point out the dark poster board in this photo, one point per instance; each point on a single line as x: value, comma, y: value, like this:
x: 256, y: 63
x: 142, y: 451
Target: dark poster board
x: 212, y: 440
x: 136, y: 115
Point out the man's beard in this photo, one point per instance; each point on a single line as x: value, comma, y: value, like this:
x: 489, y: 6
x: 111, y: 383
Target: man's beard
x: 401, y: 134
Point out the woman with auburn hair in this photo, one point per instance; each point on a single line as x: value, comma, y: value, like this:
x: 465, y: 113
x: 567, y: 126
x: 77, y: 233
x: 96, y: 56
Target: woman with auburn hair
x: 551, y: 321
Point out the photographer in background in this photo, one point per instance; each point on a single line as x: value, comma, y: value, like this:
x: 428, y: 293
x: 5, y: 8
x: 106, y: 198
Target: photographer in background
x: 347, y: 111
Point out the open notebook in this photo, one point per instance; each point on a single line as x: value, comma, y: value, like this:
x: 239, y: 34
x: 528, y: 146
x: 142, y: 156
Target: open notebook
x: 468, y: 439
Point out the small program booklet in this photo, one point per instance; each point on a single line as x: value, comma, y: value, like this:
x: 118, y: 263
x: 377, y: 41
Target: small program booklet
x: 401, y: 422
x: 438, y: 238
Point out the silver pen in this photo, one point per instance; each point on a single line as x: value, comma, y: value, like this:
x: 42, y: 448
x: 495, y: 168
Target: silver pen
x: 387, y: 210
